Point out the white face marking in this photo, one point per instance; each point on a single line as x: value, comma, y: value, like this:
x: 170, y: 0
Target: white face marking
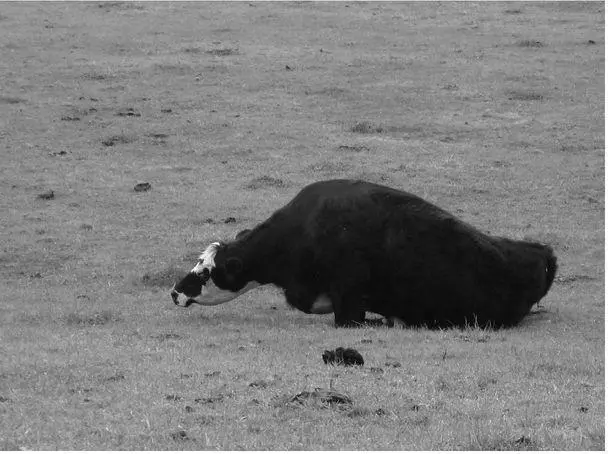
x: 212, y: 295
x: 206, y: 259
x: 322, y: 305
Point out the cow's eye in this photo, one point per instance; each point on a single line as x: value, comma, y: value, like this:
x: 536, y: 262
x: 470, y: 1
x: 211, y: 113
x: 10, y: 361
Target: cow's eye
x: 205, y: 273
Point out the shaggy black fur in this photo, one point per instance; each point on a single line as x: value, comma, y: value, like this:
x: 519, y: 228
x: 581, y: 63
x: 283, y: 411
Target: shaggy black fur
x: 372, y: 248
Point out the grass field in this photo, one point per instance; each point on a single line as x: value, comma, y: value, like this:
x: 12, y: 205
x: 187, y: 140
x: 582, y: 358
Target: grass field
x: 493, y: 111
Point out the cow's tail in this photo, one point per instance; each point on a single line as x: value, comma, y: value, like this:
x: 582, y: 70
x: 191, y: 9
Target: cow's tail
x: 551, y: 269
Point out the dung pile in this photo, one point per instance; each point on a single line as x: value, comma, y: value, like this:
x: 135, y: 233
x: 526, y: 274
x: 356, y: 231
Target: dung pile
x: 343, y: 357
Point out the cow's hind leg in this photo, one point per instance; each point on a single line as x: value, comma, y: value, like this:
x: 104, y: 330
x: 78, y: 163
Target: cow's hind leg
x: 349, y: 290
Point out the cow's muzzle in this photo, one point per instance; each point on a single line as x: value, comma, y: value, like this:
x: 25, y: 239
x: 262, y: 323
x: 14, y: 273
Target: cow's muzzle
x: 175, y: 296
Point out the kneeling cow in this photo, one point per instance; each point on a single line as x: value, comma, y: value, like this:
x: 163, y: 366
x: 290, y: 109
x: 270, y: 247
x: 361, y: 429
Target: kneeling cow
x: 348, y: 247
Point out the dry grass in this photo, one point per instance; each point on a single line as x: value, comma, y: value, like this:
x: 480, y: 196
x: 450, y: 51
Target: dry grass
x: 227, y: 110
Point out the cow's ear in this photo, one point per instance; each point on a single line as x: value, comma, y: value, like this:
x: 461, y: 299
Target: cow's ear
x: 241, y: 234
x: 234, y: 265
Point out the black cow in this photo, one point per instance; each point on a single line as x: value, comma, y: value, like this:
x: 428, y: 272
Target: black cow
x: 348, y: 247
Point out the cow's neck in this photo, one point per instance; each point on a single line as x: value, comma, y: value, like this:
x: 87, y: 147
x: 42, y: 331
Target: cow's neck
x: 265, y: 258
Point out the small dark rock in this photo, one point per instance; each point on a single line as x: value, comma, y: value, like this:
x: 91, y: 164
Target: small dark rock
x: 117, y: 377
x: 366, y: 341
x: 354, y: 148
x: 58, y: 153
x: 209, y: 400
x: 142, y: 187
x: 36, y: 276
x: 342, y: 356
x: 118, y: 139
x: 48, y: 195
x: 215, y: 373
x: 322, y: 396
x: 180, y: 435
x: 189, y: 409
x: 583, y: 409
x: 229, y: 220
x: 288, y: 68
x: 259, y: 384
x: 274, y: 308
x: 128, y: 112
x: 523, y: 440
x: 70, y: 118
x: 380, y: 412
x: 376, y: 370
x: 591, y: 199
x: 173, y: 397
x: 166, y: 110
x: 590, y: 42
x: 4, y: 399
x: 166, y: 336
x: 415, y: 407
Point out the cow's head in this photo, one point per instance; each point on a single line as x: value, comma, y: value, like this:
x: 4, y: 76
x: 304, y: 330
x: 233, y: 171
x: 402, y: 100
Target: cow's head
x: 215, y: 279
